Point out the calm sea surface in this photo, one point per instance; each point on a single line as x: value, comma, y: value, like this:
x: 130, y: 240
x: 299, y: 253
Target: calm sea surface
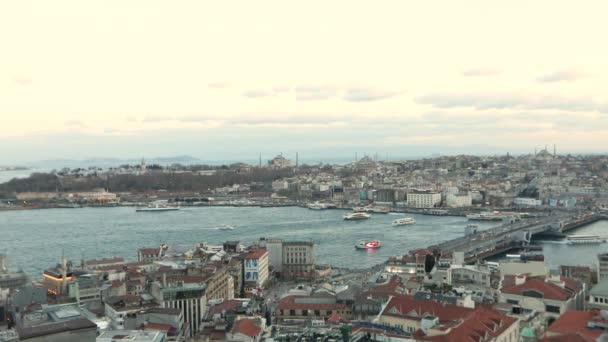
x: 35, y: 239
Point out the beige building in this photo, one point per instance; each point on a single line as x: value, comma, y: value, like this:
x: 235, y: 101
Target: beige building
x: 298, y: 259
x: 423, y: 199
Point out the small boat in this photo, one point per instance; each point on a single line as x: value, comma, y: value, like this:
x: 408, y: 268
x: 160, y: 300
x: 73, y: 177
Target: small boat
x: 225, y: 227
x: 357, y: 216
x: 317, y: 206
x: 584, y: 239
x: 359, y: 209
x: 368, y: 244
x: 404, y: 221
x: 157, y: 206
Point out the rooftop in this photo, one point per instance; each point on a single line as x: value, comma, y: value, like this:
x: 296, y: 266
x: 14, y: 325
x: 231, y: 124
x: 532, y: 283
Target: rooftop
x: 256, y: 254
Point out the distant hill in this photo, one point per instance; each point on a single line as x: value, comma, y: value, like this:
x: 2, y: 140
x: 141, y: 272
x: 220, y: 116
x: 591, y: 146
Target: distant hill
x: 110, y: 162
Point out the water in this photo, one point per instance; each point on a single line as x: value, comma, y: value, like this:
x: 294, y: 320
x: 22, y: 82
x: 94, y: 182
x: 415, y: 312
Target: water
x: 559, y: 253
x: 35, y: 239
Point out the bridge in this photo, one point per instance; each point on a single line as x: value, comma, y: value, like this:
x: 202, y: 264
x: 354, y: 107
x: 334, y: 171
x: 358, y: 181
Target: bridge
x: 513, y: 234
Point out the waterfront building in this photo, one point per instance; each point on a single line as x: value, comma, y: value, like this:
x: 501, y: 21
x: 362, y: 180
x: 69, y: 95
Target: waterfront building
x: 151, y: 254
x: 423, y: 199
x: 456, y: 200
x: 132, y: 336
x: 298, y: 260
x: 526, y: 202
x: 186, y: 293
x: 256, y: 269
x: 10, y: 280
x: 105, y: 262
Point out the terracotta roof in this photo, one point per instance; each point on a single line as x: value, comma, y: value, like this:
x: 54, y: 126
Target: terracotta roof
x: 571, y: 337
x: 158, y: 327
x: 227, y: 305
x: 480, y: 325
x: 307, y: 303
x: 256, y: 254
x: 573, y: 321
x: 104, y: 261
x: 392, y: 285
x: 246, y: 327
x: 547, y: 289
x: 404, y: 306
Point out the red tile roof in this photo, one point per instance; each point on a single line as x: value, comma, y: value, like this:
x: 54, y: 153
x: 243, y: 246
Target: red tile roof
x: 576, y: 322
x: 246, y: 327
x: 407, y: 307
x: 256, y: 254
x: 104, y: 261
x: 480, y: 325
x: 158, y: 327
x: 548, y: 289
x: 227, y: 305
x: 570, y: 337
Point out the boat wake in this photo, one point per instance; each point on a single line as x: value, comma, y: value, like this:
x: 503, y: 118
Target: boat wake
x: 552, y: 242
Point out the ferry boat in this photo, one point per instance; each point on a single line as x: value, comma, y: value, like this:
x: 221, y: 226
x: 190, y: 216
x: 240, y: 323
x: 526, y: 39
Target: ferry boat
x: 379, y: 210
x: 486, y: 216
x: 585, y: 239
x: 404, y: 221
x: 368, y: 244
x: 317, y: 206
x: 357, y: 216
x: 157, y: 206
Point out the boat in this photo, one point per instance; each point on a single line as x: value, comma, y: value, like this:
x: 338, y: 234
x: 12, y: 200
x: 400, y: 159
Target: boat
x: 357, y: 216
x: 368, y: 244
x: 486, y: 216
x: 225, y: 227
x: 157, y: 206
x: 317, y: 206
x: 404, y: 221
x: 585, y: 239
x: 372, y: 209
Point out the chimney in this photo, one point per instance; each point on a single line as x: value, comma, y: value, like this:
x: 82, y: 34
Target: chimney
x: 164, y: 279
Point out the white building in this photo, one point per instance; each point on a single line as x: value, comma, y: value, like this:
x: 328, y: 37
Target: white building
x: 527, y: 202
x: 280, y: 185
x: 275, y: 253
x: 455, y: 201
x: 423, y: 199
x: 256, y: 269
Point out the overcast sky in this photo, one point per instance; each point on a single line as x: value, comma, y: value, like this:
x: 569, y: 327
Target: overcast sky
x: 229, y: 79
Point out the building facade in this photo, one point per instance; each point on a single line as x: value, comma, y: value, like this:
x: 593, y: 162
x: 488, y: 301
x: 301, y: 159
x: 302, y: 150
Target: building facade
x: 298, y: 260
x: 255, y: 267
x: 423, y: 199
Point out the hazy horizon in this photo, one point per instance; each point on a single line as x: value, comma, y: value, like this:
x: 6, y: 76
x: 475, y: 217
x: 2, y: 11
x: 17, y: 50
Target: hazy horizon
x: 216, y: 81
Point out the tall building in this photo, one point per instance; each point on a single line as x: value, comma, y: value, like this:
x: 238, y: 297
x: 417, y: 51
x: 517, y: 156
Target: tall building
x: 298, y: 259
x: 186, y: 293
x: 256, y: 269
x: 602, y: 267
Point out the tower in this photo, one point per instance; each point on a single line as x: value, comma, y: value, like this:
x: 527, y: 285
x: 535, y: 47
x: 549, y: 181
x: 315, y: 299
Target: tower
x: 554, y: 151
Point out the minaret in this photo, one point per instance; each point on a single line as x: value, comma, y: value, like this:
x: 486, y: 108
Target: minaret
x: 260, y: 161
x: 554, y: 151
x: 296, y: 160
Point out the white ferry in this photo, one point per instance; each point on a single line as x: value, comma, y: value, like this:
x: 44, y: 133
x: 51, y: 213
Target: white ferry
x: 225, y: 227
x: 487, y: 216
x: 585, y: 239
x: 317, y: 206
x: 357, y: 216
x: 368, y: 244
x: 404, y: 221
x: 157, y: 206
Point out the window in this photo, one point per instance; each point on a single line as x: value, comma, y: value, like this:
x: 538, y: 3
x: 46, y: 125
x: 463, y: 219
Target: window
x: 512, y: 301
x: 292, y: 312
x: 552, y: 308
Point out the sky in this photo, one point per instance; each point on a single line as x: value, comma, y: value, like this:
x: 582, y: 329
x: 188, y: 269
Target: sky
x: 231, y: 79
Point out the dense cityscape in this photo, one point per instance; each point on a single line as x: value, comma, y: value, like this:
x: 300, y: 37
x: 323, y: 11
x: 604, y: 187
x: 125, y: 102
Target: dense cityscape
x: 490, y: 284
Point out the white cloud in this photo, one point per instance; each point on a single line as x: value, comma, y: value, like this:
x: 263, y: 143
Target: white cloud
x: 474, y: 72
x: 562, y: 75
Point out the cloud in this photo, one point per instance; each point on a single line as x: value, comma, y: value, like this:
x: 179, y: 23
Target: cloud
x: 218, y: 85
x: 507, y: 100
x: 475, y: 72
x: 75, y: 123
x: 22, y: 80
x: 364, y: 94
x: 156, y: 118
x: 315, y: 92
x: 562, y: 75
x: 257, y: 93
